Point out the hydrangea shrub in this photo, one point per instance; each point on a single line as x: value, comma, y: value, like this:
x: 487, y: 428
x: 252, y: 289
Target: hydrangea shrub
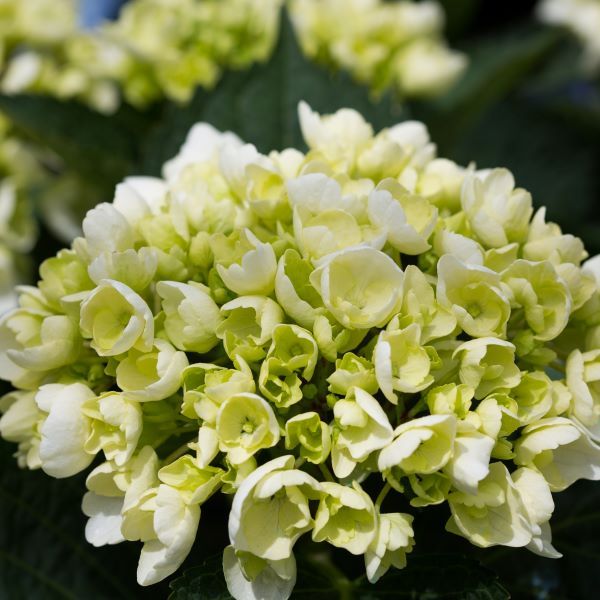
x: 289, y: 332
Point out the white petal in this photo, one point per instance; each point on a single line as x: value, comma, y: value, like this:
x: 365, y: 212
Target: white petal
x: 104, y: 523
x: 470, y: 462
x: 65, y: 430
x: 268, y: 585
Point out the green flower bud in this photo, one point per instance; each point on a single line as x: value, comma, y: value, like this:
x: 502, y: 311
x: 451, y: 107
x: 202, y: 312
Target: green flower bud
x: 352, y: 371
x: 311, y: 434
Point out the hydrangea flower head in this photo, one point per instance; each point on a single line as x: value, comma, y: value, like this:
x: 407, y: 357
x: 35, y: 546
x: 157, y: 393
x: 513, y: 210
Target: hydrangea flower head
x: 320, y: 331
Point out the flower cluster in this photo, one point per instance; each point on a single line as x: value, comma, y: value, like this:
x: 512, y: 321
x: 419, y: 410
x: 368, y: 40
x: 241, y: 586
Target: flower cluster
x: 311, y: 333
x: 171, y: 47
x: 36, y: 23
x: 582, y: 17
x: 35, y: 36
x: 168, y: 48
x: 382, y: 44
x: 157, y: 48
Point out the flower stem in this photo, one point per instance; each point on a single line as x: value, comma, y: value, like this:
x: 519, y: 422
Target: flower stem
x: 418, y: 407
x: 382, y: 494
x: 176, y: 453
x: 299, y: 462
x: 326, y: 472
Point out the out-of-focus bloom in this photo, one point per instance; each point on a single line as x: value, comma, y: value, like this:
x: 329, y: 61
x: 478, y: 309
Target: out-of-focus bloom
x: 582, y: 18
x: 381, y: 44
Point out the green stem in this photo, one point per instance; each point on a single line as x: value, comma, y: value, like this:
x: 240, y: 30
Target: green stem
x: 559, y: 351
x: 326, y: 472
x: 382, y: 494
x: 418, y: 407
x: 187, y: 428
x: 176, y: 453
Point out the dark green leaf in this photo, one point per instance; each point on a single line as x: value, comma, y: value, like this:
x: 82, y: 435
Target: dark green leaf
x: 430, y: 577
x: 498, y: 64
x: 437, y: 577
x: 205, y: 582
x: 90, y: 143
x: 43, y: 552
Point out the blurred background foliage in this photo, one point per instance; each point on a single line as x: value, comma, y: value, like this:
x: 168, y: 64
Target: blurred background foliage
x: 523, y: 104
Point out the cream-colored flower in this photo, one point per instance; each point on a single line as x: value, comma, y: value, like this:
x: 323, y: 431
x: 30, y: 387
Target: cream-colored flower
x: 393, y: 542
x: 560, y: 451
x: 270, y: 510
x: 497, y: 212
x: 361, y: 427
x: 487, y: 364
x: 65, y: 430
x: 245, y: 424
x: 116, y: 319
x: 422, y: 445
x: 346, y: 518
x: 361, y: 287
x: 474, y: 295
x: 402, y: 364
x: 151, y: 376
x: 191, y: 316
x: 495, y: 515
